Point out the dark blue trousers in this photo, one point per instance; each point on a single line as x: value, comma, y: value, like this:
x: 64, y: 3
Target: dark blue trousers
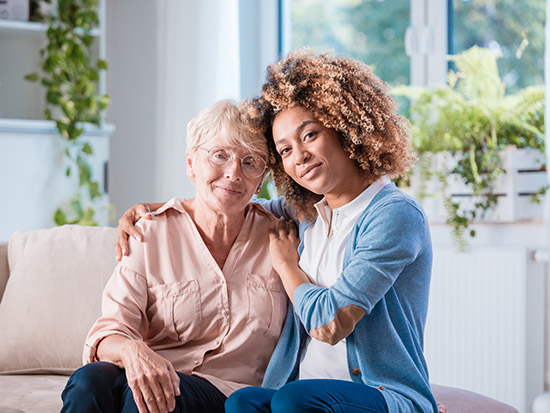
x: 303, y: 396
x: 102, y: 387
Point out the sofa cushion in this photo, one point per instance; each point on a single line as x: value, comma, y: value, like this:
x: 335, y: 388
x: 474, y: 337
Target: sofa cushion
x: 53, y: 296
x: 31, y: 393
x: 464, y: 401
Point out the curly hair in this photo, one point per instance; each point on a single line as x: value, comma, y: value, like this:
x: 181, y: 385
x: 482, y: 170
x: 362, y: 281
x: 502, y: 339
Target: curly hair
x: 344, y: 95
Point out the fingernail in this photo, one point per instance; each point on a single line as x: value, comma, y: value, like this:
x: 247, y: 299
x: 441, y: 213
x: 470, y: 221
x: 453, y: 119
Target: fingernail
x: 137, y: 237
x: 123, y: 251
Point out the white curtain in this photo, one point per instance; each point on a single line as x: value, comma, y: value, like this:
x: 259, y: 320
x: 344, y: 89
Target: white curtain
x: 547, y: 100
x: 198, y: 64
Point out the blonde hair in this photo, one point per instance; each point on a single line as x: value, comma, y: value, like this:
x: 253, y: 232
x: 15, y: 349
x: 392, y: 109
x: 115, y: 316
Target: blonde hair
x: 224, y: 119
x: 345, y: 96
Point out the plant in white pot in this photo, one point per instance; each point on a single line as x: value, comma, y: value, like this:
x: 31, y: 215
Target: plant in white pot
x: 463, y: 133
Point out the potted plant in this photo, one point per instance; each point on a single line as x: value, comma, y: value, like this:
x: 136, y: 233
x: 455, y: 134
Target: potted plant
x: 462, y: 132
x: 69, y: 74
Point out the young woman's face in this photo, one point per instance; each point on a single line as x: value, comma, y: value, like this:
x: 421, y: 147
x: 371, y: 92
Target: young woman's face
x: 312, y: 154
x: 223, y: 189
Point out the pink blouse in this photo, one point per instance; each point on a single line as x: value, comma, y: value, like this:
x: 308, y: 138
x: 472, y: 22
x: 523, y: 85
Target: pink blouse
x: 220, y: 324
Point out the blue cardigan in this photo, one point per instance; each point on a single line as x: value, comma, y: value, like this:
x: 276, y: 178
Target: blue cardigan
x: 379, y: 304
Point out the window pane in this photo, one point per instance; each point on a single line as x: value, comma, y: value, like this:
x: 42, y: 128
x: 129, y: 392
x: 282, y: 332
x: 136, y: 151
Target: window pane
x: 516, y: 28
x: 372, y: 31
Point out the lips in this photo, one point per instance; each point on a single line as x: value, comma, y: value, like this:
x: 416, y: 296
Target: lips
x: 309, y: 169
x: 229, y: 190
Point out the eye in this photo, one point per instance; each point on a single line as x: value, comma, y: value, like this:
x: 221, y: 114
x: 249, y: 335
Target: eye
x: 309, y: 135
x: 250, y: 161
x: 220, y: 155
x: 284, y: 151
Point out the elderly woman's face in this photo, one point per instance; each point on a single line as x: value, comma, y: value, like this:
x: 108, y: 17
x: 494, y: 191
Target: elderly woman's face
x: 225, y: 176
x: 312, y: 154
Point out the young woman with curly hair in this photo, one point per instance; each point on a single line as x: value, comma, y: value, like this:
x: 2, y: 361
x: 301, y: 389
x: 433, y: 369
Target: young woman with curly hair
x: 357, y: 270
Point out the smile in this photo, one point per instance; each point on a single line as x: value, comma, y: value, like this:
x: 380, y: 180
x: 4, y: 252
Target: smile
x: 309, y: 171
x: 231, y: 191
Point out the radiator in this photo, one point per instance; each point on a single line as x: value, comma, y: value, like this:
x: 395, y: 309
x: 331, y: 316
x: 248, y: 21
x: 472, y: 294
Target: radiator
x: 485, y: 327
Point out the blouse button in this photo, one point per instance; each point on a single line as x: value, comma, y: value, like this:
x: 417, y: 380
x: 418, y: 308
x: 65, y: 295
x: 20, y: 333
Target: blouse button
x: 224, y: 312
x: 196, y: 362
x: 380, y: 387
x: 356, y: 372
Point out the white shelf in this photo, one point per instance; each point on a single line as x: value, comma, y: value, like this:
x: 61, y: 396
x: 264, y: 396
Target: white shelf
x: 48, y: 127
x: 26, y: 28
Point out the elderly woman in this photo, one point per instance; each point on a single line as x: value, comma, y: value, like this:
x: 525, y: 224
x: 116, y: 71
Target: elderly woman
x: 358, y: 269
x: 194, y: 312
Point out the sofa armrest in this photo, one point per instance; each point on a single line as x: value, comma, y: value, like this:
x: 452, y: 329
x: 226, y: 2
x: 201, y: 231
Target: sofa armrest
x: 464, y: 401
x: 4, y: 269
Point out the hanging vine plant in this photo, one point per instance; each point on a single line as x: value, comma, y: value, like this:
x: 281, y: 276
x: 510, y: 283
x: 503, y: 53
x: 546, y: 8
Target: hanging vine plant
x: 70, y: 74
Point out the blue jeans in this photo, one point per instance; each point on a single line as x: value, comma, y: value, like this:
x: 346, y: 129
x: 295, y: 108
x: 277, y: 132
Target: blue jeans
x: 102, y: 387
x: 302, y: 396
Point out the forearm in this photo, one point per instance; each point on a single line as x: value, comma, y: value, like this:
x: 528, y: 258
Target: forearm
x: 292, y: 276
x: 111, y: 347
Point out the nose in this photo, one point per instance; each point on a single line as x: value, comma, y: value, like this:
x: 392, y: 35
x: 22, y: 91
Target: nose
x: 301, y: 155
x: 234, y: 170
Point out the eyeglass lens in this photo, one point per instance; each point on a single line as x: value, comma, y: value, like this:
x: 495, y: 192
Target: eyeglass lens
x: 252, y: 166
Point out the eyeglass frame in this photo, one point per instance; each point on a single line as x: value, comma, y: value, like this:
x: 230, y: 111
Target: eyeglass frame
x: 232, y: 159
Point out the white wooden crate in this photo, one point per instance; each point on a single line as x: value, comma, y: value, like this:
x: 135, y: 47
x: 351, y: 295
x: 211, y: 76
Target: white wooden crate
x: 523, y: 175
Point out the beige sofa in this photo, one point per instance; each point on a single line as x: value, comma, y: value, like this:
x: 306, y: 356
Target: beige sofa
x: 50, y: 290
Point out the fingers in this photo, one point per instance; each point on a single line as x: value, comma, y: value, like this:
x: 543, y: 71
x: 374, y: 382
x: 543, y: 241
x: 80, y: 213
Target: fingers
x: 143, y: 397
x: 121, y: 245
x: 149, y: 395
x: 127, y: 228
x: 175, y: 382
x: 283, y: 228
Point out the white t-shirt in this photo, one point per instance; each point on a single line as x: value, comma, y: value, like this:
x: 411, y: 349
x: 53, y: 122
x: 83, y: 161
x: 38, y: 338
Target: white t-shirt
x: 322, y: 260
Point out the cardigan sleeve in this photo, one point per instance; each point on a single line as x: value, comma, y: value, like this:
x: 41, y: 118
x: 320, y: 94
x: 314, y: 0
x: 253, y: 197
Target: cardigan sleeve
x: 387, y: 239
x: 278, y: 207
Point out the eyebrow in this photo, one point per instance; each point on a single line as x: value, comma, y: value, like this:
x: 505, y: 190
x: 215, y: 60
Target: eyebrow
x: 299, y: 129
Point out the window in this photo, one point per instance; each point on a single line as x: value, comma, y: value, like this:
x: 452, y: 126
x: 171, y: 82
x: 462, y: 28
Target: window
x: 514, y: 28
x: 370, y: 31
x: 406, y: 41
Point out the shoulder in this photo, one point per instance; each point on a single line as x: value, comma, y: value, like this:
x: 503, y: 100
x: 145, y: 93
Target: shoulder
x: 259, y: 216
x: 393, y: 203
x: 162, y: 217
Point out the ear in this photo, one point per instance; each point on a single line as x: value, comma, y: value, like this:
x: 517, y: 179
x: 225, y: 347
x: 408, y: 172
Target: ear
x: 260, y: 184
x: 259, y: 187
x: 190, y: 162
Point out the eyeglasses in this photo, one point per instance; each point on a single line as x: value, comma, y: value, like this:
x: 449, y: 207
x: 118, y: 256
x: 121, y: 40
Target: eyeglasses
x: 221, y: 158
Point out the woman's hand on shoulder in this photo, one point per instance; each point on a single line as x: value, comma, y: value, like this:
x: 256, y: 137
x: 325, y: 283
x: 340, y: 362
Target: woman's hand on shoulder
x: 126, y: 227
x: 152, y: 379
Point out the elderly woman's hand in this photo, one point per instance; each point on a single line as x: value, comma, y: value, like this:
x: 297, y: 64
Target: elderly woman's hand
x: 152, y: 378
x: 126, y: 226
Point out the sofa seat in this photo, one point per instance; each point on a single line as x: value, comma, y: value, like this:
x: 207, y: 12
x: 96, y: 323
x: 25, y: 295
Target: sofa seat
x: 31, y: 393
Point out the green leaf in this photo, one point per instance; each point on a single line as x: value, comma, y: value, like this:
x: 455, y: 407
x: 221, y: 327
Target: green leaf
x: 68, y: 171
x: 102, y: 64
x: 87, y: 149
x: 94, y: 190
x: 59, y: 217
x: 32, y: 77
